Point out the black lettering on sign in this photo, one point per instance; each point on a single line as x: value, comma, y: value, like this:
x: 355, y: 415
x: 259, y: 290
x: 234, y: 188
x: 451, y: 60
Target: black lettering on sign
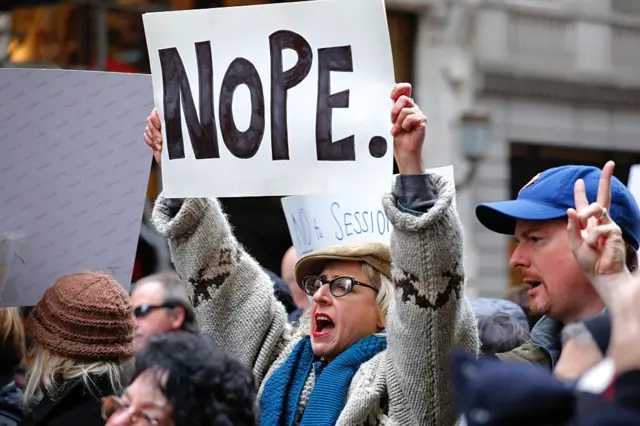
x: 332, y: 59
x: 175, y: 83
x: 377, y: 146
x: 242, y: 144
x: 281, y: 81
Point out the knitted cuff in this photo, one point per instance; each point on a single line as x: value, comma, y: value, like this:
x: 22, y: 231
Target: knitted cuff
x: 184, y: 221
x: 404, y: 221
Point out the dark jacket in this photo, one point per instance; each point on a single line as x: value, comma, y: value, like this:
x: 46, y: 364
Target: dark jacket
x: 487, y: 395
x: 283, y: 294
x: 544, y: 348
x: 10, y: 403
x: 74, y: 405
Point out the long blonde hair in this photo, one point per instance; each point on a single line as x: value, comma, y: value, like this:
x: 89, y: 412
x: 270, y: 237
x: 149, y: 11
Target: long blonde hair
x: 50, y: 372
x: 12, y: 340
x: 383, y: 299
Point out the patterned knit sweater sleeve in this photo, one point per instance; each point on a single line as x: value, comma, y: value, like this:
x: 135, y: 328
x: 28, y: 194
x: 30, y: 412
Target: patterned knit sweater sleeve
x: 429, y: 315
x: 232, y: 295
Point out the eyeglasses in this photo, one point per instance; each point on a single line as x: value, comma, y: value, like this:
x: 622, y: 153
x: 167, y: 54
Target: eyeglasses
x: 113, y: 404
x: 340, y: 286
x: 144, y: 310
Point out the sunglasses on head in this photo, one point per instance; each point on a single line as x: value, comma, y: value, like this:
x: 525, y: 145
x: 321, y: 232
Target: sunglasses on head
x: 340, y: 286
x: 144, y: 310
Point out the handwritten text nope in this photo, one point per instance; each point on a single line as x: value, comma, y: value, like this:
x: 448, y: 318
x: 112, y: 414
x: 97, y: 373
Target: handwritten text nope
x: 273, y: 100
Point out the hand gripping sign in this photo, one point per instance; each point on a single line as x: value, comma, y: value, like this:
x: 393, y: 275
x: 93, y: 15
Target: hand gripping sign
x: 320, y: 221
x: 273, y: 99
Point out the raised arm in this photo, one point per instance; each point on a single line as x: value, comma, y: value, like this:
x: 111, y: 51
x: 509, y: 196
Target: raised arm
x: 232, y: 295
x: 430, y: 314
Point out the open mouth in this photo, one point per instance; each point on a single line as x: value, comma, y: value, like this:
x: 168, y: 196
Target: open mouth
x: 324, y: 325
x: 533, y: 284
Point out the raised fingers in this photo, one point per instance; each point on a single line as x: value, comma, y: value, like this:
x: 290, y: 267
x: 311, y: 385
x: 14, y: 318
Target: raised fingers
x: 604, y: 186
x: 580, y: 195
x: 401, y: 89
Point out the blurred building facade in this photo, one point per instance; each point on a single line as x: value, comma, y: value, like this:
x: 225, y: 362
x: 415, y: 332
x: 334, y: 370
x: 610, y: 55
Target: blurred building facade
x: 560, y: 82
x: 558, y: 79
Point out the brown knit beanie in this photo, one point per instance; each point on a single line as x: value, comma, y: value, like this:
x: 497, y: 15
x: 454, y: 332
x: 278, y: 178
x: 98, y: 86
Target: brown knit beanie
x: 86, y: 316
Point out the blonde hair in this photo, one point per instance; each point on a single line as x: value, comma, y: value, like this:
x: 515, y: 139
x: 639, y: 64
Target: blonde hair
x: 50, y: 372
x: 383, y: 298
x: 12, y: 340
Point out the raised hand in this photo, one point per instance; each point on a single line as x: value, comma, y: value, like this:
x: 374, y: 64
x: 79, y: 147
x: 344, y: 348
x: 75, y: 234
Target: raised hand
x: 408, y: 131
x: 153, y: 135
x: 595, y: 239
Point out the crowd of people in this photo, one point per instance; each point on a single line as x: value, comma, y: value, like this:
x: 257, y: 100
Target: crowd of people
x: 358, y: 334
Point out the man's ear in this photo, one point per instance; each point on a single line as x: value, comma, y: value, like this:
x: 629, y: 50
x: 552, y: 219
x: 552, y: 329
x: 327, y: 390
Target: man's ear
x: 177, y: 317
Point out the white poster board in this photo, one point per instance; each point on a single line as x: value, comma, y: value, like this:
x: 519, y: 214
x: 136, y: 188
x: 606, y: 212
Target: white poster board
x: 279, y: 99
x: 73, y: 176
x: 320, y: 221
x: 634, y: 182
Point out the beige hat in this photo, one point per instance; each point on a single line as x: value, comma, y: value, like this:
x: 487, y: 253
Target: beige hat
x: 377, y: 255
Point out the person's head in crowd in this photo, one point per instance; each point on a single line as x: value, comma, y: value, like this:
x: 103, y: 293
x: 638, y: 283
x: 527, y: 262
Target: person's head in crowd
x: 351, y: 291
x: 180, y: 379
x: 12, y: 347
x: 160, y: 305
x: 82, y: 331
x: 288, y: 274
x: 519, y: 296
x: 502, y: 325
x: 538, y: 220
x: 500, y: 333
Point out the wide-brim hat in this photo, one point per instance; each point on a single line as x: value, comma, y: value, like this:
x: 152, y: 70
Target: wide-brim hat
x: 376, y: 255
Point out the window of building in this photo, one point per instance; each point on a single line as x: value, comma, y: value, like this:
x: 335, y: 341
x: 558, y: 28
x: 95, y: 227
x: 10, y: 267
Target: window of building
x: 626, y: 6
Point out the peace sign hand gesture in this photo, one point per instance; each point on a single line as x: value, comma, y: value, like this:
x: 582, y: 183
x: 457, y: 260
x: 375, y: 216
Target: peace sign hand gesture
x: 596, y: 241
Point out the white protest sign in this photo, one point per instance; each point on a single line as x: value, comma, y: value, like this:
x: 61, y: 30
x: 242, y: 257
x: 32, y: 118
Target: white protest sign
x: 273, y: 99
x: 73, y: 176
x: 634, y: 182
x: 319, y: 221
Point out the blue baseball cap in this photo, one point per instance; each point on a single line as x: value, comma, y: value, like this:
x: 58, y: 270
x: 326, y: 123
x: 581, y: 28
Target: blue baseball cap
x: 548, y: 196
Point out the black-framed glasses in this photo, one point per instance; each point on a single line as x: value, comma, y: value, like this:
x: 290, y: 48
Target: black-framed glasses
x: 340, y: 286
x: 144, y: 310
x: 114, y: 404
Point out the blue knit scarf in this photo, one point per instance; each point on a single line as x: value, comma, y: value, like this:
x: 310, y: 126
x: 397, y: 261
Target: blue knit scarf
x: 281, y: 393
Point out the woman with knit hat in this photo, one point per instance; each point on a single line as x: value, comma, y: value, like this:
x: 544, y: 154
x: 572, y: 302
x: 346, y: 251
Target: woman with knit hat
x: 374, y: 346
x: 82, y: 332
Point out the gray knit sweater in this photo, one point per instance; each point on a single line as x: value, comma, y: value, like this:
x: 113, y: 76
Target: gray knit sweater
x: 408, y: 383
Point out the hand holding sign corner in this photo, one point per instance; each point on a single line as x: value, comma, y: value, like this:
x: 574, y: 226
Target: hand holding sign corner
x: 153, y: 135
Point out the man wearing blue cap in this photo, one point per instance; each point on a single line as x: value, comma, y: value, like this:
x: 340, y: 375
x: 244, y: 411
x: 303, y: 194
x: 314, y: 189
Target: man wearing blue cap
x: 559, y: 290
